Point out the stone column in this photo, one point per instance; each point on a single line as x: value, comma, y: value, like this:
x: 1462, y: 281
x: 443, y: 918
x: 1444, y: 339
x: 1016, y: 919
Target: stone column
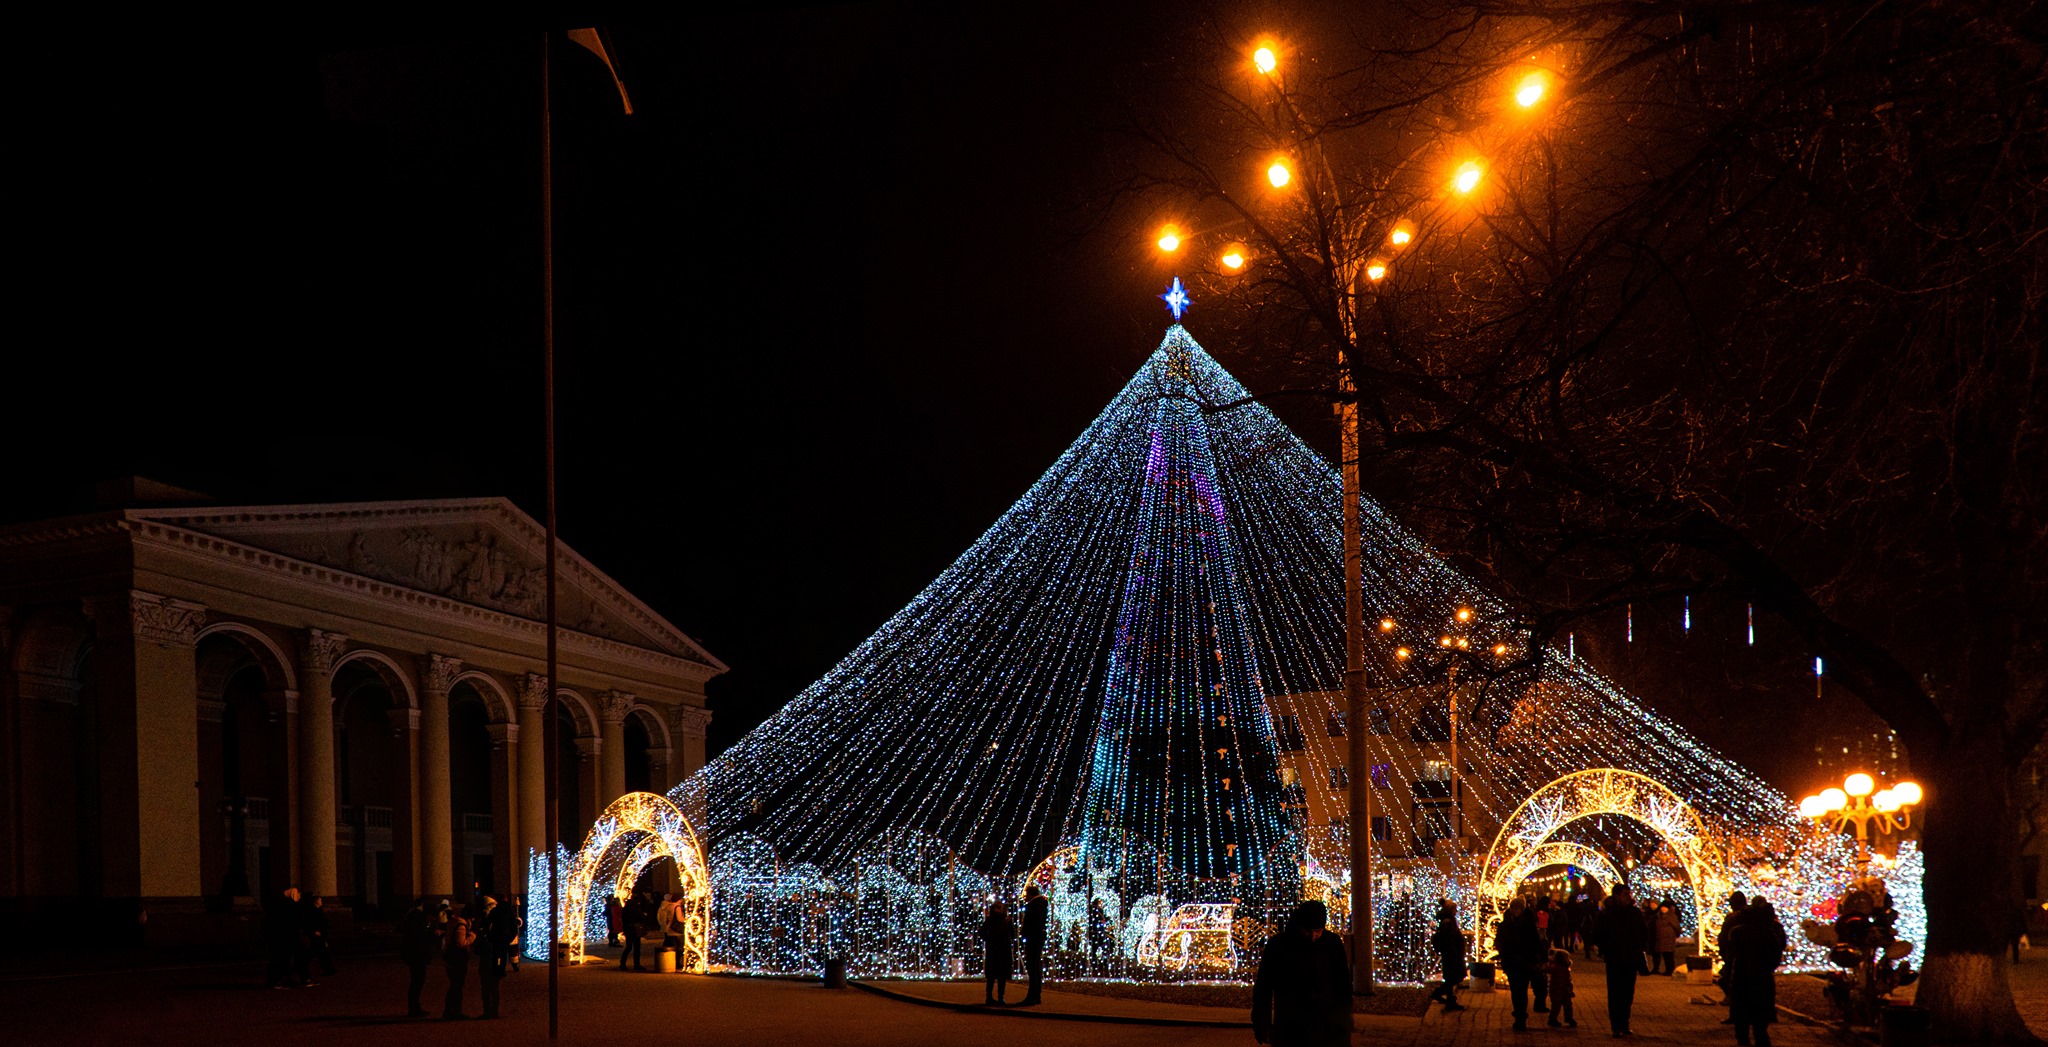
x: 405, y: 817
x: 437, y: 803
x: 317, y: 655
x: 506, y: 861
x: 148, y: 746
x: 611, y: 710
x: 692, y: 721
x: 533, y: 819
x: 659, y: 760
x: 588, y: 752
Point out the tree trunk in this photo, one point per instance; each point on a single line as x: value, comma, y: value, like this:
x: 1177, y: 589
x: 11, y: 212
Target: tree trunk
x: 1968, y: 841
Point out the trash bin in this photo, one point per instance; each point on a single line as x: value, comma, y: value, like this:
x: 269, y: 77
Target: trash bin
x: 835, y: 972
x: 666, y: 963
x: 1482, y: 977
x: 1904, y: 1026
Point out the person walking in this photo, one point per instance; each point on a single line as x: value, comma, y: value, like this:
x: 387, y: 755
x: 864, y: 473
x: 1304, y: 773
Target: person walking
x: 1448, y: 942
x: 1738, y: 907
x: 1098, y: 937
x: 996, y: 935
x: 313, y: 918
x: 666, y: 919
x: 1521, y: 954
x: 1301, y: 996
x: 1621, y: 937
x: 281, y: 917
x: 633, y: 918
x: 614, y: 920
x: 455, y: 946
x: 415, y: 950
x: 493, y: 937
x: 1667, y: 938
x: 1558, y: 972
x: 1750, y: 954
x: 1036, y: 915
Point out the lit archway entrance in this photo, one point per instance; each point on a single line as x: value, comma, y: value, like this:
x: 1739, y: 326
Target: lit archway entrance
x: 637, y: 830
x: 1526, y: 843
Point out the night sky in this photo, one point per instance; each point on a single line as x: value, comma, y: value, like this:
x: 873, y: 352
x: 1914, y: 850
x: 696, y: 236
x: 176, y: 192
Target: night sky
x: 829, y: 302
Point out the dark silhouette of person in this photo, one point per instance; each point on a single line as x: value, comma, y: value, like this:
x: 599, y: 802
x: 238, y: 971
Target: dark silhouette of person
x: 1666, y: 930
x: 635, y: 920
x: 455, y: 945
x: 997, y: 936
x: 614, y: 919
x: 1521, y: 954
x: 1036, y: 914
x: 1302, y: 994
x: 1621, y: 935
x: 281, y: 928
x: 493, y: 940
x: 415, y: 950
x: 314, y: 920
x: 1558, y: 972
x: 1448, y: 942
x: 1751, y: 950
x: 1098, y: 937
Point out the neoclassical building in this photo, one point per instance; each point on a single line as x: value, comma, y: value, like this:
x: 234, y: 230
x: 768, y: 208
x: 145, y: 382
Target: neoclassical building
x: 203, y: 704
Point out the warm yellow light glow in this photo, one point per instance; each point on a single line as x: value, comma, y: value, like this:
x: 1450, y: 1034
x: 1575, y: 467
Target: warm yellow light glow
x: 1907, y: 792
x: 1169, y: 238
x: 1464, y: 644
x: 1531, y: 90
x: 1376, y: 269
x: 1404, y: 231
x: 1265, y: 60
x: 1401, y: 653
x: 1885, y: 801
x: 1464, y: 614
x: 1500, y: 648
x: 1858, y: 784
x: 1279, y: 175
x: 1444, y: 641
x: 1812, y: 807
x: 1232, y: 260
x: 1833, y: 799
x: 1386, y: 625
x: 1467, y: 178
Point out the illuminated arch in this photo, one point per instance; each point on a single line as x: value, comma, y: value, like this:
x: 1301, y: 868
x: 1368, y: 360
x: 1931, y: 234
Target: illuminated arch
x: 634, y: 832
x: 1559, y: 852
x: 1524, y: 842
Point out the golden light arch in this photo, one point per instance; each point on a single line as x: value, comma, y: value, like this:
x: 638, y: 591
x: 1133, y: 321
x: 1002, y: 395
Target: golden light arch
x: 1524, y: 843
x: 637, y: 830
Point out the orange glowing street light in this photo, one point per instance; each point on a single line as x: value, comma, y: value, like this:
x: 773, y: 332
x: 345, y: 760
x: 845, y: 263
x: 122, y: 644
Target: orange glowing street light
x: 1531, y: 90
x: 1234, y: 257
x: 1169, y: 238
x: 1265, y: 61
x: 1468, y: 176
x: 1403, y: 233
x: 1376, y: 269
x: 1278, y: 174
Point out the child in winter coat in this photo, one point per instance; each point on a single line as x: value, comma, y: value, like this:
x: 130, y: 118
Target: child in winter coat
x: 1559, y: 971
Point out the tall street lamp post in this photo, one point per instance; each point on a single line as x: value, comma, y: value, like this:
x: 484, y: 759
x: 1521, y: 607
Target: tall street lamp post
x: 1860, y: 804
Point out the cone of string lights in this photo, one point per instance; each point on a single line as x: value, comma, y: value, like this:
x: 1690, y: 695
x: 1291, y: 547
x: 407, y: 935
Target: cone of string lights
x: 1121, y: 691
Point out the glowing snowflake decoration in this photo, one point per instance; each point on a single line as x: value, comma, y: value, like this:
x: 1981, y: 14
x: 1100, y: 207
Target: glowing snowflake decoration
x: 1176, y: 298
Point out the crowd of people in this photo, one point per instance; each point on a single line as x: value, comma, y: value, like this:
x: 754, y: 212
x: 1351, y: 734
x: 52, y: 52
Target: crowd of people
x: 483, y: 933
x: 627, y: 922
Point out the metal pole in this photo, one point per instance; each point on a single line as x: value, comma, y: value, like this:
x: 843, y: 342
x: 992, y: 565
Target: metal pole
x: 1356, y: 717
x: 1457, y: 806
x: 549, y: 726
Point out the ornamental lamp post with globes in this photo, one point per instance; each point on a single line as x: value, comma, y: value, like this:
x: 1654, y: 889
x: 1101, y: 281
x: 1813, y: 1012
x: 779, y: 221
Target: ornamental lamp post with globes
x: 1870, y: 810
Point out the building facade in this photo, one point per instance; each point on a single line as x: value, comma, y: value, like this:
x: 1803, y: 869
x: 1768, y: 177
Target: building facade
x: 204, y: 705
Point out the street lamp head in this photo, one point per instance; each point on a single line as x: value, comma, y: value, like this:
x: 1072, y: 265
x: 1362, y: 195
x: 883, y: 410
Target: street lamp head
x: 1403, y: 232
x: 1169, y: 238
x: 1812, y: 807
x: 1500, y: 650
x: 1401, y: 653
x: 1464, y: 614
x: 1443, y: 641
x: 1278, y: 174
x: 1858, y: 784
x: 1467, y: 177
x: 1833, y: 799
x: 1234, y: 257
x: 1264, y: 60
x: 1376, y: 269
x: 1531, y: 90
x: 1885, y: 800
x: 1908, y: 793
x: 1386, y: 625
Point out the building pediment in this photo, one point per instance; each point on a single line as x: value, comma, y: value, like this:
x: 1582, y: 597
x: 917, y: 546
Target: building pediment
x: 484, y: 552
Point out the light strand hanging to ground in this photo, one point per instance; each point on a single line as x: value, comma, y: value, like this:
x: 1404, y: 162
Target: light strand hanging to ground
x: 1136, y: 672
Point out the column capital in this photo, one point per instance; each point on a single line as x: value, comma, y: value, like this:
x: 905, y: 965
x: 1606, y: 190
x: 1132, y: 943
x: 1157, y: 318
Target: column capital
x: 612, y: 706
x: 692, y: 720
x: 533, y: 692
x: 320, y: 650
x: 438, y: 672
x: 147, y: 616
x: 503, y: 735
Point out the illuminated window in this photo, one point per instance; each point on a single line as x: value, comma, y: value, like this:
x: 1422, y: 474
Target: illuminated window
x: 1340, y: 778
x: 1382, y: 776
x: 1336, y: 725
x: 1382, y: 720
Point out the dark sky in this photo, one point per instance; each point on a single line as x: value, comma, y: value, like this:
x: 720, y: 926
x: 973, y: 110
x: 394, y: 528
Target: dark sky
x: 828, y: 302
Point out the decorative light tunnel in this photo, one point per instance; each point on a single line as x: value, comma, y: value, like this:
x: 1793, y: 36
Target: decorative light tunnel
x: 1091, y: 696
x: 637, y: 830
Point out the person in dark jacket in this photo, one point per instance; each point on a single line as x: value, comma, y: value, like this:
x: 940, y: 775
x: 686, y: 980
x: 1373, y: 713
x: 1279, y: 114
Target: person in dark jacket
x: 281, y: 929
x: 1751, y: 951
x: 996, y: 935
x: 1448, y: 942
x: 1036, y: 913
x: 1664, y: 929
x: 1302, y: 994
x: 1621, y: 936
x: 415, y: 950
x: 493, y: 939
x: 456, y: 943
x: 1521, y: 955
x: 634, y: 920
x: 313, y: 918
x: 614, y: 919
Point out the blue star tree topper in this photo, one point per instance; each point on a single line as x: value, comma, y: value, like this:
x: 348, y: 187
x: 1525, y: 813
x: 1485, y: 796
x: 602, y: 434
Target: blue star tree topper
x: 1177, y: 298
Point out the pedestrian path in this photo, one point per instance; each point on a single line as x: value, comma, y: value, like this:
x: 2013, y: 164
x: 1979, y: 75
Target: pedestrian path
x: 1072, y: 1006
